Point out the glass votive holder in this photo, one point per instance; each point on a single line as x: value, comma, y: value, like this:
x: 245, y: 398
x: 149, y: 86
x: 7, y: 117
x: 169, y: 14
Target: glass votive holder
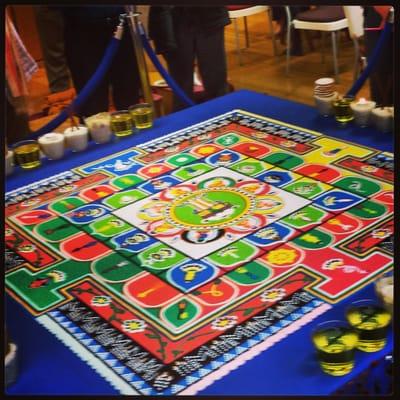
x: 371, y: 320
x: 142, y: 115
x: 121, y: 123
x: 77, y: 138
x: 52, y: 145
x: 100, y: 127
x: 335, y: 342
x: 343, y: 111
x: 27, y: 154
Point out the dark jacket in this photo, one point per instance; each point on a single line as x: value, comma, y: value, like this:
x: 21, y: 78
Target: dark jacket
x: 163, y: 19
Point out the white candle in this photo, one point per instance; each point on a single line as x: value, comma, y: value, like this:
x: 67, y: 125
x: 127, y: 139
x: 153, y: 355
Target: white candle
x: 9, y: 162
x: 76, y: 137
x: 52, y: 145
x: 382, y: 117
x: 362, y: 111
x: 99, y: 126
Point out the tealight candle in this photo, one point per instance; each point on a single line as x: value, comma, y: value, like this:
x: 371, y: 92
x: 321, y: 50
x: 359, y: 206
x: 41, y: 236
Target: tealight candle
x: 52, y: 145
x: 99, y: 127
x: 76, y: 137
x: 362, y: 111
x: 9, y: 162
x: 382, y: 117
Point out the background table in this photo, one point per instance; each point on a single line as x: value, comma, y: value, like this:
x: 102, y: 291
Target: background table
x: 287, y: 368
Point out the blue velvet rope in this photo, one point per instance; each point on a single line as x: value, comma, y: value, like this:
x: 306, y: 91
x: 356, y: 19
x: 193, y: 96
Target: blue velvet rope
x: 171, y: 83
x: 372, y: 61
x: 85, y: 92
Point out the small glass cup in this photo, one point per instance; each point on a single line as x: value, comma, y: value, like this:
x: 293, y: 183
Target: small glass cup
x: 371, y: 320
x: 343, y: 111
x: 142, y: 115
x: 121, y: 123
x: 335, y: 342
x: 27, y: 154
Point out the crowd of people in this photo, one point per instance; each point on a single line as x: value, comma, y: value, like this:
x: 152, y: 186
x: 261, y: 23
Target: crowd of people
x: 74, y: 38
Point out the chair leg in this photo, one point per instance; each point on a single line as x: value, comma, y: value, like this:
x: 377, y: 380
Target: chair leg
x: 323, y: 44
x: 271, y: 29
x: 356, y: 59
x: 246, y: 32
x: 288, y: 38
x: 335, y: 61
x: 238, y: 52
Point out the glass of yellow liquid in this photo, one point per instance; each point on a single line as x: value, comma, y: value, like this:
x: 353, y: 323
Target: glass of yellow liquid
x: 142, y: 115
x: 371, y: 320
x: 342, y: 109
x: 335, y: 342
x: 27, y: 154
x: 121, y: 123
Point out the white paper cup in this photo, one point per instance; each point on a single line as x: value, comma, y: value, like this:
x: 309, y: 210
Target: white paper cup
x: 99, y: 127
x: 382, y: 118
x: 9, y: 162
x: 76, y: 138
x: 52, y: 145
x: 324, y: 104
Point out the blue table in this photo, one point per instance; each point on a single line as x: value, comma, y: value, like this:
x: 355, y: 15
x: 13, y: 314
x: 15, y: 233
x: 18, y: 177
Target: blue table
x: 288, y: 368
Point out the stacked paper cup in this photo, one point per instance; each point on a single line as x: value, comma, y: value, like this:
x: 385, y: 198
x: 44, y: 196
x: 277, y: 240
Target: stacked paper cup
x: 324, y: 94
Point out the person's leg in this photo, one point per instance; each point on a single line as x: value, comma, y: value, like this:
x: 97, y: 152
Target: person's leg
x: 181, y: 62
x: 124, y: 75
x: 211, y: 60
x: 85, y: 45
x: 50, y: 24
x: 381, y: 77
x: 16, y: 123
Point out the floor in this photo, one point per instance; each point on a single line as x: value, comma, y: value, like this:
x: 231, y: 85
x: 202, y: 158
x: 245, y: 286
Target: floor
x: 260, y: 71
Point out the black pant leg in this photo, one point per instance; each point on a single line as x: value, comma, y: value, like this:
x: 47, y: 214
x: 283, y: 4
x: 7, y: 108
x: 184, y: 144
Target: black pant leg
x: 211, y: 60
x: 85, y: 45
x: 181, y: 62
x: 124, y: 74
x: 381, y: 77
x: 50, y: 24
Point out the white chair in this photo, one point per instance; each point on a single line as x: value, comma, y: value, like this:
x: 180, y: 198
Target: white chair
x: 355, y: 19
x: 236, y: 12
x: 332, y: 26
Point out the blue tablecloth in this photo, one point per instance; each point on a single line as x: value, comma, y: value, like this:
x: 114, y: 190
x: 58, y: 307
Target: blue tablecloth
x: 288, y: 368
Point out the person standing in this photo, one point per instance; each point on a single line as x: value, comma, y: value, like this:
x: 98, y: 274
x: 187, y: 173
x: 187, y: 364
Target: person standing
x: 88, y: 31
x: 186, y: 35
x: 50, y: 24
x: 381, y: 77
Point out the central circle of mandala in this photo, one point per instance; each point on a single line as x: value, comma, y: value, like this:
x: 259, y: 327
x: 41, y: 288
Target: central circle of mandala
x: 209, y: 208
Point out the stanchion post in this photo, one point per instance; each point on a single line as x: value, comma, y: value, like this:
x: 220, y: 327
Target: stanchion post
x: 132, y: 17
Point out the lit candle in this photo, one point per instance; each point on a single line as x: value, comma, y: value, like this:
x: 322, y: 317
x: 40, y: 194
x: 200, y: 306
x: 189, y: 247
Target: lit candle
x: 99, y: 127
x: 383, y: 117
x: 9, y: 162
x: 362, y: 111
x: 52, y: 145
x: 76, y: 137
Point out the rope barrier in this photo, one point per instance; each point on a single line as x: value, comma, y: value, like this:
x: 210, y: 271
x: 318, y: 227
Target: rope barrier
x: 170, y: 81
x: 87, y: 89
x: 373, y: 59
